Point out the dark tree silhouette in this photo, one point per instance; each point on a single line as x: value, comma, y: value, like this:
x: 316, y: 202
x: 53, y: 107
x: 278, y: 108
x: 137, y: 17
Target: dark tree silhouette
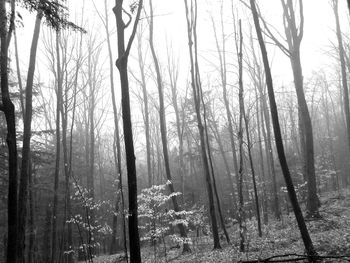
x: 279, y: 143
x: 122, y: 65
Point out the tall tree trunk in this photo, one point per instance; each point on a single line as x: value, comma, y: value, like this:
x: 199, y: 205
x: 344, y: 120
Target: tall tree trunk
x: 64, y: 116
x: 122, y: 65
x: 9, y: 110
x: 242, y: 227
x: 249, y: 145
x: 269, y: 153
x: 31, y: 223
x: 261, y: 161
x: 223, y: 75
x: 218, y: 203
x: 58, y: 152
x: 116, y: 151
x: 145, y: 110
x: 163, y: 131
x: 173, y: 73
x: 195, y: 79
x: 343, y: 72
x: 47, y: 232
x: 216, y: 133
x: 294, y: 36
x: 23, y: 187
x: 279, y: 143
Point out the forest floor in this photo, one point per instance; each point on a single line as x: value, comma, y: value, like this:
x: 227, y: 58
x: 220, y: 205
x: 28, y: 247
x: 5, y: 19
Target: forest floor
x: 330, y: 235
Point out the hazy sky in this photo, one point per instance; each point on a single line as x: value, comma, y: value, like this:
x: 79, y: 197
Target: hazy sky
x: 170, y: 27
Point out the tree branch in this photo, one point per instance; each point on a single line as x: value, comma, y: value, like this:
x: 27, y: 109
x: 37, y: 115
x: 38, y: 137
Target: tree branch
x: 301, y: 28
x: 130, y: 18
x: 268, y: 32
x: 131, y: 39
x: 2, y: 108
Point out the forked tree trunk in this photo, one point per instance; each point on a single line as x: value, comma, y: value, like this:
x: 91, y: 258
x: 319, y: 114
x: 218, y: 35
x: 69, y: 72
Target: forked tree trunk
x: 279, y: 143
x: 117, y: 153
x: 163, y: 132
x: 122, y: 65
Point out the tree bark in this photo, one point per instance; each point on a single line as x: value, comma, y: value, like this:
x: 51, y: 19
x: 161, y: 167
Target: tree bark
x: 279, y: 143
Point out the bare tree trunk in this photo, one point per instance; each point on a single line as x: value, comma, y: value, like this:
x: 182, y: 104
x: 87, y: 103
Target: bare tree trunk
x: 223, y: 74
x: 279, y: 143
x: 195, y: 80
x: 64, y: 116
x: 163, y: 131
x: 242, y: 228
x: 249, y: 145
x: 58, y: 152
x: 343, y: 72
x: 9, y: 110
x: 269, y: 153
x: 47, y: 233
x: 23, y: 187
x: 216, y: 133
x: 261, y: 161
x: 218, y: 203
x: 141, y: 63
x: 116, y: 152
x: 31, y: 223
x: 122, y: 65
x: 173, y: 76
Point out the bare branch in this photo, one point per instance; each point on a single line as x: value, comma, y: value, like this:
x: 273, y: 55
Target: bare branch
x: 131, y: 39
x: 269, y: 33
x: 129, y: 17
x: 301, y: 13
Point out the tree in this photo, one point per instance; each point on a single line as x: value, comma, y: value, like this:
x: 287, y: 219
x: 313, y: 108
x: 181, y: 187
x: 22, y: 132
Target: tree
x: 116, y: 144
x: 343, y: 71
x: 279, y: 143
x: 242, y: 227
x: 294, y: 35
x: 8, y: 108
x: 24, y: 177
x: 223, y: 76
x: 122, y: 65
x: 59, y: 96
x: 163, y: 130
x: 191, y: 19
